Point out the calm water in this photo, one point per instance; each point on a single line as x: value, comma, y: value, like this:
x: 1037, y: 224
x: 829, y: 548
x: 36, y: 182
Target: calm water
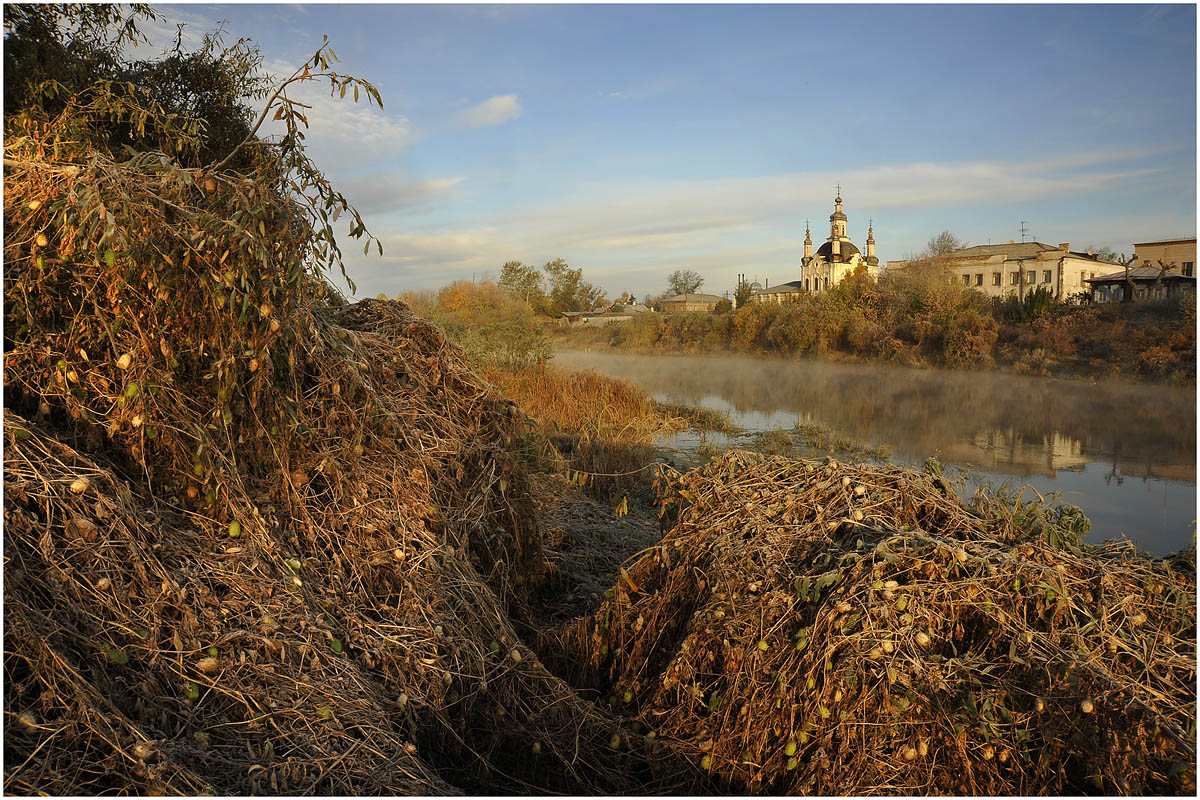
x: 1125, y: 454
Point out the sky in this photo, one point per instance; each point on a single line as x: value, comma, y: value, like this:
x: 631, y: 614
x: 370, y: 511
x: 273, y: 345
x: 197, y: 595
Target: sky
x: 635, y: 140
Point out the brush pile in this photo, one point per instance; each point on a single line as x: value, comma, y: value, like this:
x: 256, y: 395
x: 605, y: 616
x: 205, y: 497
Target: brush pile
x: 257, y: 540
x: 807, y: 627
x: 335, y: 622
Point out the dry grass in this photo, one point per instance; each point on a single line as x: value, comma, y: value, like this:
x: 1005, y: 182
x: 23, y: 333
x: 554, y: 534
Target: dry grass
x: 599, y: 428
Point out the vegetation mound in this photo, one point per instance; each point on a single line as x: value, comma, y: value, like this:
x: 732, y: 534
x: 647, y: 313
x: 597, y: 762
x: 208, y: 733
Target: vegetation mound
x: 335, y: 620
x: 808, y: 627
x: 257, y: 540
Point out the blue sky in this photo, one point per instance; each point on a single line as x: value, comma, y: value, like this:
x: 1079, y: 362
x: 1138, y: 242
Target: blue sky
x: 633, y: 140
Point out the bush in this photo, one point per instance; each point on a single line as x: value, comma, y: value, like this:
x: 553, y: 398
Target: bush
x: 492, y: 325
x: 750, y: 323
x: 968, y: 339
x: 1028, y: 308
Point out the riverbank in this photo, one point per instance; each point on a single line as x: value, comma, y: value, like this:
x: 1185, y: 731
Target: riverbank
x: 1135, y: 473
x: 1145, y: 343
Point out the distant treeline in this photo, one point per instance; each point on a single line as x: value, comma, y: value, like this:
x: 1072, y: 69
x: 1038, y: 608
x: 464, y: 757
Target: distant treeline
x: 918, y: 318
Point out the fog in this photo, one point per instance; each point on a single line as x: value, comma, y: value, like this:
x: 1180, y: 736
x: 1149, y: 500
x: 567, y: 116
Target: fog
x: 1125, y: 453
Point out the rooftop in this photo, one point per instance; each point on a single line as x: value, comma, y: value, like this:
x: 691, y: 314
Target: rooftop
x: 1140, y: 274
x: 1165, y: 241
x: 1015, y: 251
x: 693, y: 298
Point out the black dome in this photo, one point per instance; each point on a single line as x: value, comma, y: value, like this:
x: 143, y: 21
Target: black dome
x: 847, y: 250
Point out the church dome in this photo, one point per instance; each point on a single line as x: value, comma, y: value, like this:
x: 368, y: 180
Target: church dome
x: 837, y: 215
x: 847, y: 250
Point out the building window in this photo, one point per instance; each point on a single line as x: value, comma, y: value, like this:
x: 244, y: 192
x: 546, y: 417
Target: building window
x: 1082, y: 277
x: 1016, y: 279
x: 966, y: 280
x: 1045, y: 276
x: 1188, y: 268
x: 1031, y: 276
x: 996, y: 278
x: 979, y: 279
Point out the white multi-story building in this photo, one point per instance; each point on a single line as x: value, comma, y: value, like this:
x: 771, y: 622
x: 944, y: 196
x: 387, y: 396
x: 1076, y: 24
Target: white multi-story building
x: 1003, y: 269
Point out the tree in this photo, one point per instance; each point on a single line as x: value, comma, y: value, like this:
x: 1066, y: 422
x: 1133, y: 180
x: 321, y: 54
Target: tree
x: 942, y: 243
x: 684, y: 281
x: 1106, y: 254
x: 526, y: 283
x: 741, y: 295
x: 568, y: 290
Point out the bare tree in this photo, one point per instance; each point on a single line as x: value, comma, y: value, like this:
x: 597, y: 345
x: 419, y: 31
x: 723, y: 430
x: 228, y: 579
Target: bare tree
x: 684, y: 281
x: 943, y: 243
x: 1105, y: 254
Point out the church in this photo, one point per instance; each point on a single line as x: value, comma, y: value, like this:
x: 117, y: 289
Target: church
x: 837, y: 257
x: 833, y: 261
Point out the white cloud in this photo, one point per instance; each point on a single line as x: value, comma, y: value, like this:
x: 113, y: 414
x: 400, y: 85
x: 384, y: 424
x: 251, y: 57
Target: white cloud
x: 628, y: 235
x: 492, y: 111
x: 342, y: 134
x: 161, y: 32
x: 375, y: 195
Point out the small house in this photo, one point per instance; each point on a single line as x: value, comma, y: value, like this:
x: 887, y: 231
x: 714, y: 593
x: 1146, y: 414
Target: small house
x: 1141, y: 284
x: 689, y: 302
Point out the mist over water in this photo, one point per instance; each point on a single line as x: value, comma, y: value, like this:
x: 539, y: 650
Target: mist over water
x: 1126, y: 454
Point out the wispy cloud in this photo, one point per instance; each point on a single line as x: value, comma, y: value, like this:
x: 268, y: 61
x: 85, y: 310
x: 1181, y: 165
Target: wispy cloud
x: 492, y: 111
x: 375, y: 195
x: 652, y: 87
x: 625, y: 229
x: 161, y: 32
x: 342, y: 134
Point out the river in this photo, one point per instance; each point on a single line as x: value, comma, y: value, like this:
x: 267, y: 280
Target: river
x: 1124, y: 453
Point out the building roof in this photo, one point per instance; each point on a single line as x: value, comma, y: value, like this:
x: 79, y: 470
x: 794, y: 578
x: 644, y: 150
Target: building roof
x: 692, y: 298
x: 782, y: 288
x: 847, y: 249
x: 1016, y: 251
x: 1140, y: 274
x: 1011, y: 250
x: 1165, y: 241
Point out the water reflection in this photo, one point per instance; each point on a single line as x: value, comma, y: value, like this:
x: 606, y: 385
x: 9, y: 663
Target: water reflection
x: 1083, y: 439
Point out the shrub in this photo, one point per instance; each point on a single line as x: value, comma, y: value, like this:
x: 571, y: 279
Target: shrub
x: 750, y: 323
x: 1028, y: 308
x: 491, y: 324
x: 967, y: 340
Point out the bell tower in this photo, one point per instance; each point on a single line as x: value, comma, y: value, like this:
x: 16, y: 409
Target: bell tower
x: 807, y: 242
x: 837, y: 220
x: 870, y: 238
